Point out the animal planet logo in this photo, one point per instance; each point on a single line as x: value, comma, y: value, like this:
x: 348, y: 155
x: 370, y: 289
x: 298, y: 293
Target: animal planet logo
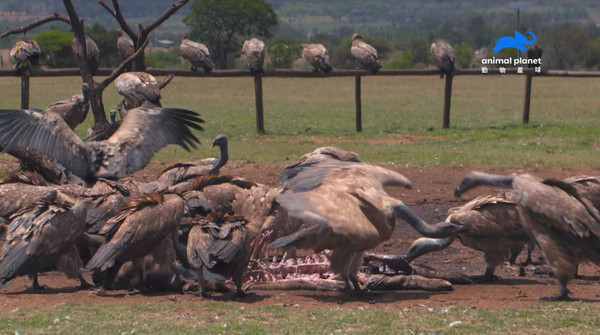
x: 518, y: 41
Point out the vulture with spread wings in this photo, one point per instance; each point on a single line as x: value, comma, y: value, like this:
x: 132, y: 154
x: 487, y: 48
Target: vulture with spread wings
x: 142, y: 132
x: 349, y: 210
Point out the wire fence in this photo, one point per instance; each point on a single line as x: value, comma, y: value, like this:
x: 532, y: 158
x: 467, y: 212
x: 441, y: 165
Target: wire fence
x: 340, y: 95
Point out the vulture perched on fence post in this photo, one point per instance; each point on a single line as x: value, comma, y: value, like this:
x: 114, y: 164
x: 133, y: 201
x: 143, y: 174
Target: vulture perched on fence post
x: 141, y: 133
x: 125, y: 46
x: 443, y: 54
x: 254, y: 50
x: 73, y: 110
x: 197, y: 54
x: 494, y: 228
x: 92, y: 53
x: 535, y: 52
x: 565, y: 224
x: 26, y: 53
x: 346, y: 209
x: 318, y: 56
x: 365, y: 54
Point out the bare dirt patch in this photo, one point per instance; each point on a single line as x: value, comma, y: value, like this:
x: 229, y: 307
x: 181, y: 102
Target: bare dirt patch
x: 430, y: 197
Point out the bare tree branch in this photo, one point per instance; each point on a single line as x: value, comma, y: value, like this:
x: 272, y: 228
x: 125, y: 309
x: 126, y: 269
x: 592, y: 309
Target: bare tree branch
x: 118, y: 15
x: 116, y: 72
x: 27, y: 27
x: 174, y: 7
x: 77, y: 27
x: 166, y: 81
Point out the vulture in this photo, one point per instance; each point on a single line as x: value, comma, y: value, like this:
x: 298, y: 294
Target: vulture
x: 254, y: 50
x: 142, y: 132
x: 318, y: 56
x: 135, y: 231
x: 197, y: 54
x: 494, y: 228
x: 25, y: 53
x: 365, y: 54
x: 92, y: 53
x: 345, y: 208
x: 73, y: 110
x: 534, y: 52
x: 564, y: 224
x: 180, y: 176
x: 42, y: 236
x: 125, y: 45
x: 218, y: 248
x: 443, y: 54
x: 137, y: 88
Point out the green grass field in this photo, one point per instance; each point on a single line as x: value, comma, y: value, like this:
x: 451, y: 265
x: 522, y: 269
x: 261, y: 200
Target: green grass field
x: 402, y: 119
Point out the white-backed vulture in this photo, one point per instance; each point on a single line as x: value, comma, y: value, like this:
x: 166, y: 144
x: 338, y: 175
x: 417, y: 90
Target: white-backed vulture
x: 43, y: 236
x: 92, y: 53
x: 254, y: 50
x: 142, y: 132
x: 365, y: 54
x: 134, y: 233
x: 25, y: 52
x: 348, y: 211
x: 535, y: 52
x: 197, y: 54
x: 565, y: 225
x: 318, y: 56
x: 125, y: 46
x: 494, y: 228
x: 218, y: 248
x: 137, y: 88
x: 443, y: 54
x: 180, y: 176
x: 73, y: 110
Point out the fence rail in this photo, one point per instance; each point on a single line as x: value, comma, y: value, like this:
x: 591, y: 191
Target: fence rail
x: 528, y: 73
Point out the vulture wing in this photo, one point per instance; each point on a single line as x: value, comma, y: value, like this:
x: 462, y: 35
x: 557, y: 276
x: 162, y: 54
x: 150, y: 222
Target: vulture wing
x: 142, y: 132
x: 47, y: 133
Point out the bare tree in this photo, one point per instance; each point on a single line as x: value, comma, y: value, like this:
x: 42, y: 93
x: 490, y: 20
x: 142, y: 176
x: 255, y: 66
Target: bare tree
x: 101, y: 129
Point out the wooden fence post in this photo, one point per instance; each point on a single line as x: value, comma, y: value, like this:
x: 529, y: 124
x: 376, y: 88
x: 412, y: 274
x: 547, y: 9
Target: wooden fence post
x: 447, y: 100
x: 25, y: 89
x: 258, y: 97
x: 357, y: 93
x: 527, y: 102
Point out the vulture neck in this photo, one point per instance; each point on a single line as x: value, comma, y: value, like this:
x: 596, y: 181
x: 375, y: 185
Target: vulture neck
x: 475, y: 179
x: 223, y: 157
x: 440, y: 230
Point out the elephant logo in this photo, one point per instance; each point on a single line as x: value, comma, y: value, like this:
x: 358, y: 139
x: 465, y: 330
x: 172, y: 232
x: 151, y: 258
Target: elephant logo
x: 518, y: 41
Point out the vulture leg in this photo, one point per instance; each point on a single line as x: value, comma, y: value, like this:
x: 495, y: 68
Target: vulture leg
x: 563, y: 294
x: 488, y: 276
x: 35, y: 285
x: 108, y: 277
x: 83, y: 284
x: 514, y: 253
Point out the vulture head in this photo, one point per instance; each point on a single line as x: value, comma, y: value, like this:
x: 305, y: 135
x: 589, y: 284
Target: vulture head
x: 112, y: 116
x: 356, y: 37
x: 221, y: 142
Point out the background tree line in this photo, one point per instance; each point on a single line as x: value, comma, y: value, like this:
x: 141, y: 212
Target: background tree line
x: 401, y: 34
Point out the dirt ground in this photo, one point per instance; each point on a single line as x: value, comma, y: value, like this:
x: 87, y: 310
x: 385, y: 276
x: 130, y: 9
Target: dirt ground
x: 430, y: 197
